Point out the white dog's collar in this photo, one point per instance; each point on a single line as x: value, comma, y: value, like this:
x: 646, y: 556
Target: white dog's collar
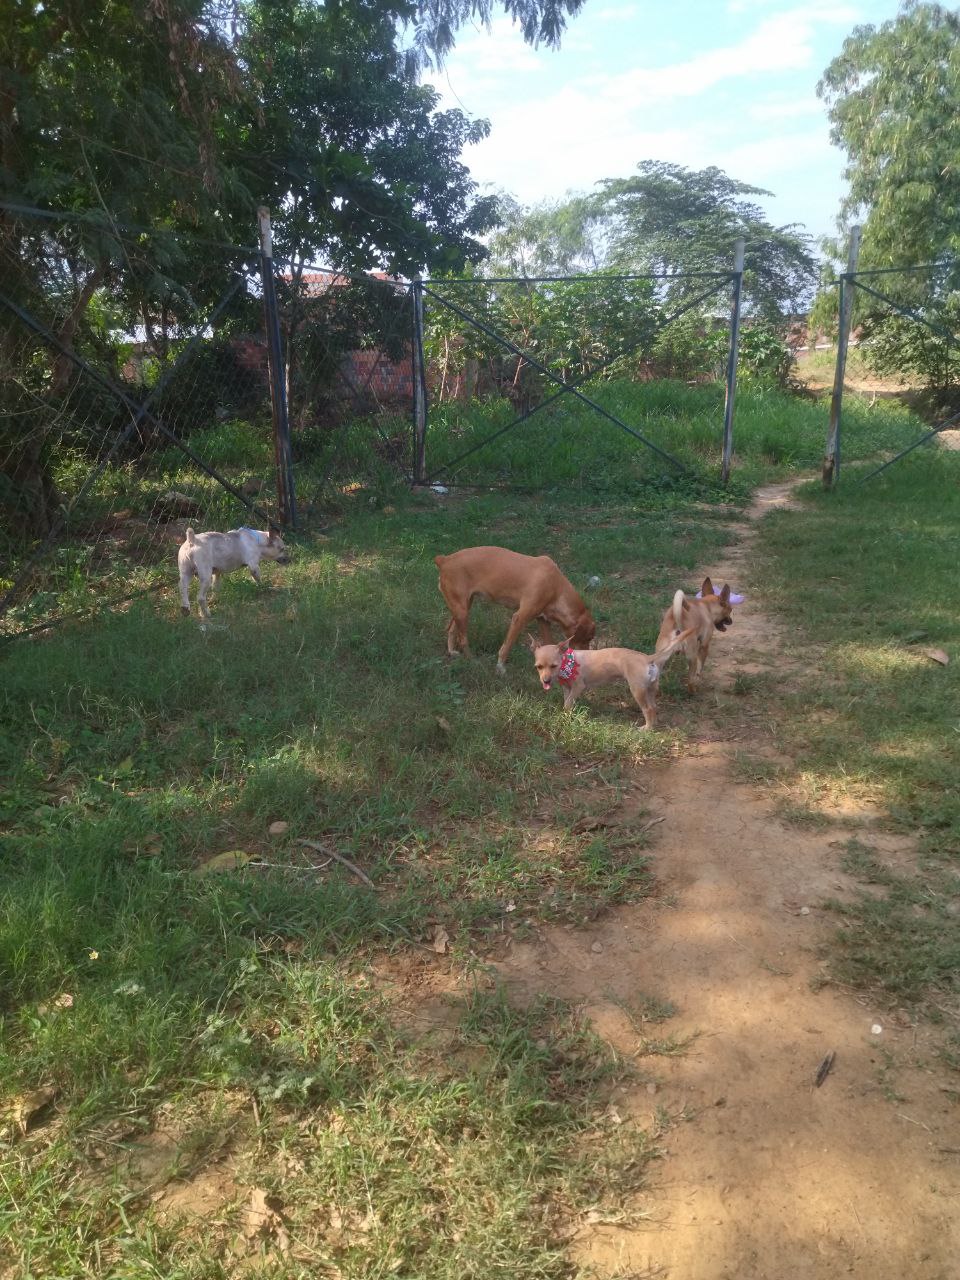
x: 257, y: 533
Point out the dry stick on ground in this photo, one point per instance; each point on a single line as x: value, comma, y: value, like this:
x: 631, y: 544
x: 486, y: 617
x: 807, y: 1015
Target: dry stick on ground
x: 332, y: 853
x: 824, y: 1068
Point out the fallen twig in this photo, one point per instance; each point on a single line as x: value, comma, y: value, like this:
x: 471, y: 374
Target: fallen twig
x: 824, y: 1068
x: 351, y: 866
x: 652, y: 823
x: 289, y: 866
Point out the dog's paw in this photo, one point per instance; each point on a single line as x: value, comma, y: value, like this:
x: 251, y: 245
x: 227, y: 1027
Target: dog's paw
x: 501, y: 669
x: 185, y: 611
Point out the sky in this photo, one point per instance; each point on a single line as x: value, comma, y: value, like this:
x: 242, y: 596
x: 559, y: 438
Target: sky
x: 730, y: 83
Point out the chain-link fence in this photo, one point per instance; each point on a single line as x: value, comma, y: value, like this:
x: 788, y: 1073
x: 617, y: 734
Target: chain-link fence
x: 907, y: 320
x: 147, y: 387
x: 348, y: 379
x: 541, y: 381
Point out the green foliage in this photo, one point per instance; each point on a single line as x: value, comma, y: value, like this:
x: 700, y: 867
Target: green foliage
x: 550, y: 238
x: 872, y: 720
x: 571, y: 327
x: 893, y: 96
x: 764, y: 360
x: 895, y: 344
x: 671, y: 219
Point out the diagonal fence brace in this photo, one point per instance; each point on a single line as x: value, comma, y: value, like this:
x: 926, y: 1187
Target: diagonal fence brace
x: 576, y: 382
x: 141, y: 412
x: 904, y: 311
x: 942, y: 426
x: 570, y: 390
x: 52, y: 341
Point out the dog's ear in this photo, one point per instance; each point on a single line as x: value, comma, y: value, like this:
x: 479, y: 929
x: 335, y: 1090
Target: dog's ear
x: 568, y: 643
x: 725, y: 594
x: 707, y: 588
x: 534, y: 645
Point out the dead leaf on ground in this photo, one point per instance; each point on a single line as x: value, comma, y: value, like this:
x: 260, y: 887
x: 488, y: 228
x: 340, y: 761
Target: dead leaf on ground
x: 936, y: 655
x: 229, y: 861
x: 441, y: 940
x: 278, y: 828
x: 444, y: 724
x: 593, y: 822
x: 18, y: 1111
x: 262, y: 1219
x: 63, y: 1001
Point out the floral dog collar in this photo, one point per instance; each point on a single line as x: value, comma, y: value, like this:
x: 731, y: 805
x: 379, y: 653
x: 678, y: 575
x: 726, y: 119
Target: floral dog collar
x: 569, y: 667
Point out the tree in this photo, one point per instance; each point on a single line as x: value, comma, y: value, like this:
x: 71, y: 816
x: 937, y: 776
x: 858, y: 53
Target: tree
x: 181, y: 117
x: 672, y: 219
x: 893, y: 98
x: 550, y: 238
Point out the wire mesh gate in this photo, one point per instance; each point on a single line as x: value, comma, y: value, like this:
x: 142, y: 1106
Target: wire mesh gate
x: 151, y: 382
x: 925, y: 289
x: 529, y: 346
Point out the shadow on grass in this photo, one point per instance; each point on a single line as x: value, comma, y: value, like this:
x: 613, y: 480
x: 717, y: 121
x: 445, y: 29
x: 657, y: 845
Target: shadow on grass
x: 139, y: 745
x: 871, y: 716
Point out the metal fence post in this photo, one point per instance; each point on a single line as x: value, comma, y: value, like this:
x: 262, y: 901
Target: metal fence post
x: 738, y: 255
x: 286, y: 495
x: 419, y: 387
x: 831, y: 459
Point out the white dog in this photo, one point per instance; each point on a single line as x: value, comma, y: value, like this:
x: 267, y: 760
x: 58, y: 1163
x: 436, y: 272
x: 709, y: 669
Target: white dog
x: 206, y: 555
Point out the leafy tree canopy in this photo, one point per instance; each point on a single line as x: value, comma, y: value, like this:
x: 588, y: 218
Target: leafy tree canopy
x: 664, y: 218
x: 672, y: 219
x: 893, y: 97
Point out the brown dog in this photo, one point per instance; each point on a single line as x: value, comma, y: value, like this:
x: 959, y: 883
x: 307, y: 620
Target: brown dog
x: 577, y: 670
x: 533, y: 586
x: 702, y: 615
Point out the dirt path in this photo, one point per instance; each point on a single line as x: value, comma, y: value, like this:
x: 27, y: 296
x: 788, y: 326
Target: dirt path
x: 764, y: 1175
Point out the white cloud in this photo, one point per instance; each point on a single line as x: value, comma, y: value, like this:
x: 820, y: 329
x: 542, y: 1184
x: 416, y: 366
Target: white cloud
x: 779, y: 44
x: 747, y: 106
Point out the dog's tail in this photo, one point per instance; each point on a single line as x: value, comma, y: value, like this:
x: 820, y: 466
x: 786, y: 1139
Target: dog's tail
x: 190, y: 538
x: 663, y: 656
x: 678, y: 612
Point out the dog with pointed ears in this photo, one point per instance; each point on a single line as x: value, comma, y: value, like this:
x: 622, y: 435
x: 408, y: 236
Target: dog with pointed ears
x: 697, y: 618
x: 578, y: 670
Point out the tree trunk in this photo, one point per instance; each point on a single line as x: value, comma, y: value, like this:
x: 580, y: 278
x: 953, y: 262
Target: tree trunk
x: 62, y: 364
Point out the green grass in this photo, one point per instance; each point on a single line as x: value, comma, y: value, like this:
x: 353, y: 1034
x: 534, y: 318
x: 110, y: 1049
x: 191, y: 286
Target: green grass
x: 236, y: 1009
x: 864, y: 578
x: 775, y: 434
x: 566, y: 447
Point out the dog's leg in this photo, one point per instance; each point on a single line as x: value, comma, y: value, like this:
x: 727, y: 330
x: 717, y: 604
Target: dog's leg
x: 569, y: 699
x: 186, y: 573
x: 255, y: 572
x: 546, y: 631
x: 645, y: 696
x: 215, y: 581
x: 457, y: 636
x: 459, y: 607
x: 702, y: 651
x: 517, y: 623
x: 202, y: 590
x: 694, y: 663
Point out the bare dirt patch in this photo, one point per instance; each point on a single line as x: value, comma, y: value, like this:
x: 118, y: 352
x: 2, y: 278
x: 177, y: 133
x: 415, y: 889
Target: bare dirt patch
x: 768, y: 1175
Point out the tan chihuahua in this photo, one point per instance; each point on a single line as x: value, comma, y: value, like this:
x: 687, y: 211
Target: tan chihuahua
x: 577, y: 670
x: 701, y: 615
